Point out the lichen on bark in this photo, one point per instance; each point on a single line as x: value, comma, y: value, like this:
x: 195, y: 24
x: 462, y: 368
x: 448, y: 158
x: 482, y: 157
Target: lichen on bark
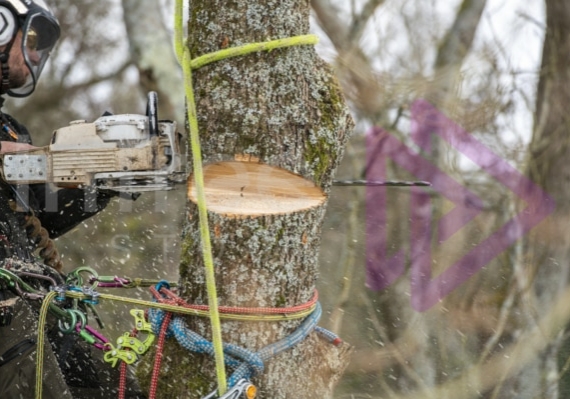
x: 285, y: 109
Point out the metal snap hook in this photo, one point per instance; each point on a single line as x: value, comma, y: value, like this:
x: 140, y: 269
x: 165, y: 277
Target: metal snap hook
x: 67, y: 327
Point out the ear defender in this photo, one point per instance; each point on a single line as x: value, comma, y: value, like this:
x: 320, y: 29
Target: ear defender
x: 7, y: 26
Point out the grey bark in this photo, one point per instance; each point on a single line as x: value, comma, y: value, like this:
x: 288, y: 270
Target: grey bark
x: 549, y: 246
x: 286, y: 109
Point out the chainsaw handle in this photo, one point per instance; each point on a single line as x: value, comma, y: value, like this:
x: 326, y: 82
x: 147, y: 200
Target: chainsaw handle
x: 152, y: 113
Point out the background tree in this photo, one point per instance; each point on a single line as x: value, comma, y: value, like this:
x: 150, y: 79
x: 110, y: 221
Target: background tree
x: 455, y: 348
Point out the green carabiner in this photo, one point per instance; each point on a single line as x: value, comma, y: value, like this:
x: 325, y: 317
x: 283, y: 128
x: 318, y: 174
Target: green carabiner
x: 82, y: 318
x: 68, y: 329
x: 75, y: 277
x: 90, y: 339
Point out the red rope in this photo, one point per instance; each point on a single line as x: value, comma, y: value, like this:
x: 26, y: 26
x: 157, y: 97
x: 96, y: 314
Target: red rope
x: 158, y: 356
x: 122, y: 380
x: 173, y: 299
x: 123, y: 373
x: 176, y: 300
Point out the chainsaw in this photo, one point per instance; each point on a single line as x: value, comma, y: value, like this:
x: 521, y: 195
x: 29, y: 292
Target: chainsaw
x: 124, y: 153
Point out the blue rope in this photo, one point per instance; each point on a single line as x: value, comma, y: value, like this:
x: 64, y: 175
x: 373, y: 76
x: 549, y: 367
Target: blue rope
x: 308, y: 325
x: 251, y: 363
x: 329, y: 335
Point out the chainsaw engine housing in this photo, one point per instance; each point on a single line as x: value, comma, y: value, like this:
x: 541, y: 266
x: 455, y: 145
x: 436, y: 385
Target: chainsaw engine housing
x: 115, y: 152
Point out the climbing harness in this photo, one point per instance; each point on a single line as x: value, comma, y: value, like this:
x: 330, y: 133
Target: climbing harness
x: 70, y: 302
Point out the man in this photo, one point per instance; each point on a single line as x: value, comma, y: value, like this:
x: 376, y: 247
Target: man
x: 28, y: 214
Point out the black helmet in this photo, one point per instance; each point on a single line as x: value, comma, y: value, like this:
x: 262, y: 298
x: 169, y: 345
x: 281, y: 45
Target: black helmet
x: 40, y: 31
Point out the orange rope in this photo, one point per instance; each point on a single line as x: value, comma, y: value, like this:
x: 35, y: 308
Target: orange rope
x: 176, y: 300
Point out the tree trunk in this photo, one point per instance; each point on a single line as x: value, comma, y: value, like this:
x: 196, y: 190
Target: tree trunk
x: 549, y: 246
x: 273, y: 128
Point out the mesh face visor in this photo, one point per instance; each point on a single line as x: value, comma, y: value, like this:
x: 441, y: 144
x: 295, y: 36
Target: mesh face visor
x: 40, y: 34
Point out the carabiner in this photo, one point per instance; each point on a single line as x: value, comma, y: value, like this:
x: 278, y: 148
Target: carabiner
x: 91, y: 335
x: 72, y: 326
x: 60, y: 289
x: 75, y: 278
x: 110, y: 282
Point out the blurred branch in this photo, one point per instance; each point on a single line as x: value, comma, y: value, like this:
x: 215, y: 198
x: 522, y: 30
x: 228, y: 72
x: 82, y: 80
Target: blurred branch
x: 56, y: 95
x: 359, y: 22
x: 348, y: 260
x: 455, y: 46
x: 357, y: 76
x: 152, y: 51
x: 504, y: 364
x: 74, y: 88
x: 458, y: 40
x: 401, y: 357
x: 336, y: 30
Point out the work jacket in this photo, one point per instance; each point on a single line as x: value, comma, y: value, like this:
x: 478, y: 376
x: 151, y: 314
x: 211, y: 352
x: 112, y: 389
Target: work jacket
x: 71, y: 368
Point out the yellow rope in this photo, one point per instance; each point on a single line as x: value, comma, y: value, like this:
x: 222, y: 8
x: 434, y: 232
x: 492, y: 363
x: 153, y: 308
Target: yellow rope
x: 183, y: 54
x: 204, y: 228
x: 41, y: 343
x: 252, y: 48
x: 196, y: 312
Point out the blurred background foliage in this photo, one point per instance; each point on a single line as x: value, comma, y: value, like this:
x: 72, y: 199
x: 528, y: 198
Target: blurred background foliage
x: 386, y: 53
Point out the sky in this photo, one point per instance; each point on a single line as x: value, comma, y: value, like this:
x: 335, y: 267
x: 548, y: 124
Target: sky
x: 510, y: 30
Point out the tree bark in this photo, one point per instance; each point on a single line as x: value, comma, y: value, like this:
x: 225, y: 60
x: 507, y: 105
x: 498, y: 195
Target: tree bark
x: 549, y: 246
x: 273, y: 128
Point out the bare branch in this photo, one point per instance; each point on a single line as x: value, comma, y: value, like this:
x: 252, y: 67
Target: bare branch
x: 336, y: 30
x: 456, y: 45
x: 357, y: 76
x: 359, y: 22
